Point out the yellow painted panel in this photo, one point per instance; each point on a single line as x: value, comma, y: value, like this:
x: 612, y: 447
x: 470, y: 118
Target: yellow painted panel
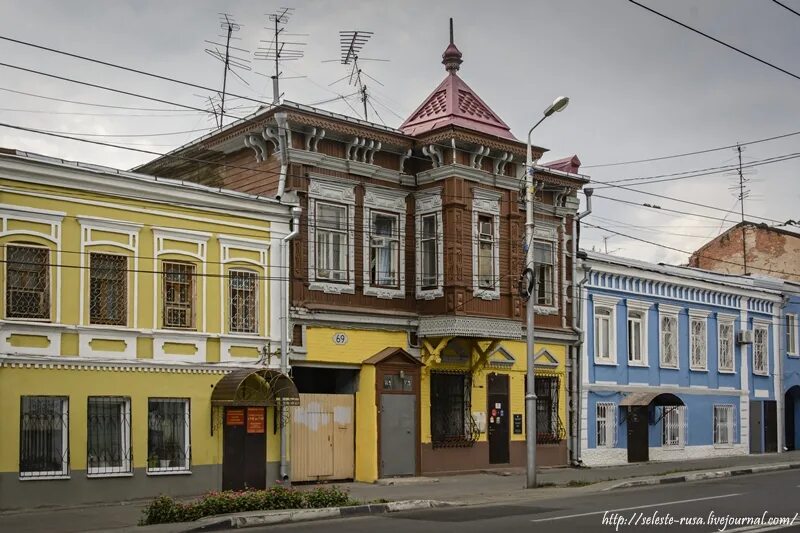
x: 244, y: 351
x: 69, y: 344
x: 108, y: 345
x: 99, y: 235
x: 28, y: 341
x: 252, y: 255
x: 212, y: 351
x: 179, y: 348
x: 24, y: 225
x: 183, y: 246
x: 361, y: 344
x: 366, y: 427
x: 144, y: 347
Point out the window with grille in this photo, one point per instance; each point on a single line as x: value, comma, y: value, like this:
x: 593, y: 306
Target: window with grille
x: 725, y: 355
x: 486, y: 254
x: 450, y: 409
x: 27, y: 282
x: 698, y: 343
x: 760, y: 357
x: 429, y: 252
x: 603, y: 334
x: 384, y: 250
x: 331, y: 238
x: 179, y: 295
x: 243, y: 294
x: 44, y: 436
x: 108, y: 435
x: 669, y: 341
x: 549, y: 428
x: 108, y: 293
x: 168, y: 426
x: 606, y: 424
x: 723, y: 425
x: 791, y: 334
x: 673, y: 426
x: 544, y: 264
x: 636, y: 337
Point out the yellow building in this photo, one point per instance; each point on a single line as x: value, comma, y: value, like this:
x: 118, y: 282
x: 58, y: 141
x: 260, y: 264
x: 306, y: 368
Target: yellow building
x: 139, y: 334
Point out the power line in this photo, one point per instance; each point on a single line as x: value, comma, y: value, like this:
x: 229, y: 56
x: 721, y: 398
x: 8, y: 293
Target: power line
x: 163, y: 134
x: 751, y: 56
x: 787, y: 7
x: 77, y: 102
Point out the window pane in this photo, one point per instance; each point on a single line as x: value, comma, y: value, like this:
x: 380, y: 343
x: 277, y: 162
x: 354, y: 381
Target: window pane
x: 27, y: 282
x: 243, y: 294
x: 43, y: 436
x: 167, y: 432
x: 108, y: 434
x: 108, y: 298
x: 543, y: 252
x: 485, y: 266
x: 331, y: 216
x: 178, y: 295
x: 450, y: 409
x: 429, y: 227
x: 549, y: 428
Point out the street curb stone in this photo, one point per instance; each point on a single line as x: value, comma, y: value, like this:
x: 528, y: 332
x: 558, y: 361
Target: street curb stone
x: 699, y: 476
x: 263, y: 518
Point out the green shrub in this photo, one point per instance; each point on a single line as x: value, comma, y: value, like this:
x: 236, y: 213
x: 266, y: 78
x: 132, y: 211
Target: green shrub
x: 164, y: 509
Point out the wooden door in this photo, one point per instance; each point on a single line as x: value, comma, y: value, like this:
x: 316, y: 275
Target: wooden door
x: 244, y: 448
x: 323, y: 437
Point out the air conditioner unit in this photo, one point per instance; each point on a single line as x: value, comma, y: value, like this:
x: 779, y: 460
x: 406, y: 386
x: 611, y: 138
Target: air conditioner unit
x: 745, y: 337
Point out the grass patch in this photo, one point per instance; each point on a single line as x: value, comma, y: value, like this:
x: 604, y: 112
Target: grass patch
x: 164, y: 510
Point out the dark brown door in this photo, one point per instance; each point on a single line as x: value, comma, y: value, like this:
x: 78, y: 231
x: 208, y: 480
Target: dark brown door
x: 244, y: 448
x: 770, y: 426
x: 497, y: 415
x: 638, y: 445
x: 789, y: 425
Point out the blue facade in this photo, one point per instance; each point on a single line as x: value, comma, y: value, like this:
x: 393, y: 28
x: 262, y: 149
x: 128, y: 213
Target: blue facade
x: 662, y: 347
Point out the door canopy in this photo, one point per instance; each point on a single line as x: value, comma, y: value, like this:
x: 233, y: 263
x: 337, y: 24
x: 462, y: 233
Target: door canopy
x: 651, y: 398
x: 253, y: 386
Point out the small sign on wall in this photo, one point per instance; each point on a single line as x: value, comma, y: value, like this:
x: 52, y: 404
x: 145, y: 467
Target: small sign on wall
x: 234, y: 417
x: 256, y: 420
x: 517, y: 424
x: 339, y: 338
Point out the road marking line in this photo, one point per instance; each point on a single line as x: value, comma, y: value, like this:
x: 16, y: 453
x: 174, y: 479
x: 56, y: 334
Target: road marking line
x: 662, y: 504
x: 756, y: 529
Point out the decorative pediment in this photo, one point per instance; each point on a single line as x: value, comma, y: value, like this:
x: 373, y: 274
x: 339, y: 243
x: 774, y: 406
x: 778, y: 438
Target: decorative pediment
x: 545, y: 359
x: 501, y: 358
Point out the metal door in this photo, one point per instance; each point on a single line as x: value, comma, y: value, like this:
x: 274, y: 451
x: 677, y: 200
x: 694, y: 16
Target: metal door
x: 398, y: 435
x: 770, y: 426
x: 638, y: 439
x: 244, y: 448
x: 498, y: 415
x: 756, y: 428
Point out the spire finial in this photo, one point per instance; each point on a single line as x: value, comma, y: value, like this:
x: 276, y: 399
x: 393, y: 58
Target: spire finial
x: 451, y: 58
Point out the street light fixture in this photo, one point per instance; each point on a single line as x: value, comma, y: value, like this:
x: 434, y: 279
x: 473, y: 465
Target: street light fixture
x: 530, y: 397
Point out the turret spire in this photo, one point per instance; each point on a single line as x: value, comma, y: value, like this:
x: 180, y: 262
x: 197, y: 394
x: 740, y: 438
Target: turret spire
x: 451, y: 58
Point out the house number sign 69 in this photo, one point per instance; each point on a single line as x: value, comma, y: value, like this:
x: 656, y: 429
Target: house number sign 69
x: 340, y: 338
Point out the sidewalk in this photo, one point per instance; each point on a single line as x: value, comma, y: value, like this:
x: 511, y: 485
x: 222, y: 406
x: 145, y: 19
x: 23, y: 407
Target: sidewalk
x: 466, y: 489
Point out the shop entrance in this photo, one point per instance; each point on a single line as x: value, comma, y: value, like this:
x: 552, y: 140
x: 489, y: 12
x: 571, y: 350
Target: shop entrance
x: 244, y: 460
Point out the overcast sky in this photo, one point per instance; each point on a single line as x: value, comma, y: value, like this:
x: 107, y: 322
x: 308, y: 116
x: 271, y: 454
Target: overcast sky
x: 640, y: 87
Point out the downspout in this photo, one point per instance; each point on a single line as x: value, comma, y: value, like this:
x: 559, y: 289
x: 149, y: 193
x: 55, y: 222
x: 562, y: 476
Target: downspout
x: 783, y: 344
x: 284, y: 295
x: 577, y: 347
x: 283, y: 128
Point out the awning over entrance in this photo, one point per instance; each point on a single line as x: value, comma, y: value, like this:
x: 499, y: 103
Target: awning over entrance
x: 251, y: 386
x: 656, y: 398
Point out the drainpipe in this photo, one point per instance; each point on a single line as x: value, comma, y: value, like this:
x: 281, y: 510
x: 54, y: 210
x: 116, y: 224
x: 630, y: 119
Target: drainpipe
x: 283, y: 128
x: 284, y: 294
x: 577, y: 347
x: 783, y: 348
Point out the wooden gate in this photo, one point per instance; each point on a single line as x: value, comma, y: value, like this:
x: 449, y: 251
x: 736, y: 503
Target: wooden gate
x: 323, y: 437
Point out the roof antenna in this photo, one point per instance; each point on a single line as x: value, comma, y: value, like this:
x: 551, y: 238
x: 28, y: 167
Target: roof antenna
x: 276, y: 49
x: 222, y: 52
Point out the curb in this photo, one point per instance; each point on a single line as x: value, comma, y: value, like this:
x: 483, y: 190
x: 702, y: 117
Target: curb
x: 700, y: 476
x: 260, y: 518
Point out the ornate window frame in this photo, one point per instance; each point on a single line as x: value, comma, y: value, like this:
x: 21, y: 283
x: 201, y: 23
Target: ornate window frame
x: 608, y: 303
x: 337, y: 192
x: 729, y: 321
x: 643, y: 309
x: 429, y: 202
x: 672, y: 312
x: 486, y: 203
x: 548, y: 233
x: 698, y: 316
x: 763, y: 328
x: 391, y: 201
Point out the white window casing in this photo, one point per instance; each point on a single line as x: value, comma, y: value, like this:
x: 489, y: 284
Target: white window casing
x: 605, y: 326
x: 637, y: 329
x: 381, y: 205
x: 724, y: 425
x: 725, y: 344
x: 44, y: 437
x: 338, y: 238
x: 428, y: 209
x: 109, y: 436
x: 546, y: 236
x: 698, y: 340
x: 544, y: 257
x: 486, y: 203
x: 606, y: 425
x: 791, y: 335
x: 668, y: 333
x: 761, y: 349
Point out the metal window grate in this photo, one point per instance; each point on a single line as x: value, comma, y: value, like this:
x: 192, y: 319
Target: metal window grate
x: 44, y: 436
x: 698, y: 343
x: 108, y: 291
x: 606, y: 425
x: 723, y: 424
x: 669, y: 341
x: 673, y: 430
x: 243, y: 291
x: 27, y: 282
x: 168, y: 430
x: 726, y: 346
x: 760, y: 350
x: 178, y: 295
x: 108, y: 435
x: 549, y: 428
x: 452, y: 424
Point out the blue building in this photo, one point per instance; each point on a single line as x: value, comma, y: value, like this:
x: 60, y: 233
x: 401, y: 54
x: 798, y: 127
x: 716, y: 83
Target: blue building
x: 676, y: 363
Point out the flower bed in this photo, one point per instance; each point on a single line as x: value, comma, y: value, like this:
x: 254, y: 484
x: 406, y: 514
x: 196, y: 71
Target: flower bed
x: 165, y: 509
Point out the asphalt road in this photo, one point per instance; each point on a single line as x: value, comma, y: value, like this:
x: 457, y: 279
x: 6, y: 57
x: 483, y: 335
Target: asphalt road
x: 656, y: 508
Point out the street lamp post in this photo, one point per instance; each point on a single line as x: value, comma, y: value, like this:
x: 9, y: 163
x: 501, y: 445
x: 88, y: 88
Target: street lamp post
x: 530, y: 397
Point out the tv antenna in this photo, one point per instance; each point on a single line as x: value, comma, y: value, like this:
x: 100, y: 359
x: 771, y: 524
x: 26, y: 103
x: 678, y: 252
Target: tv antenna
x: 225, y: 53
x: 277, y: 50
x: 743, y: 192
x: 351, y: 42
